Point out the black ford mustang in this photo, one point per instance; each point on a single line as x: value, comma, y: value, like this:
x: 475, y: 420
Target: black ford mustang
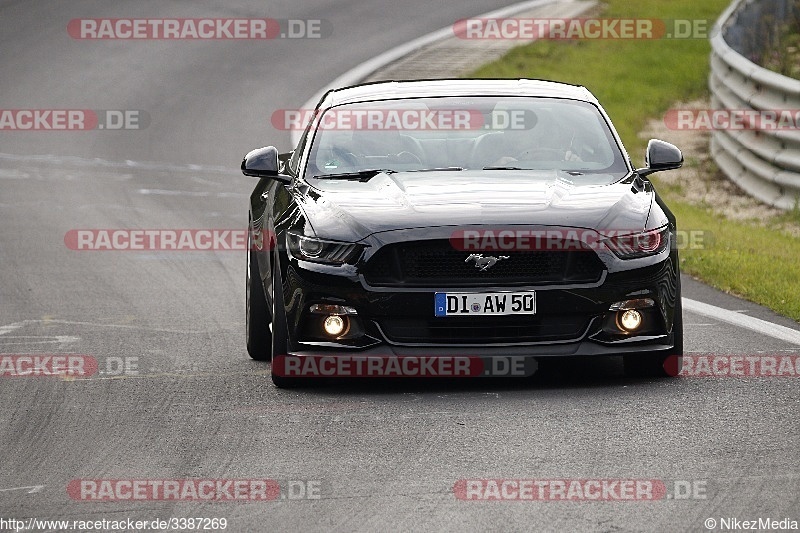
x: 487, y: 220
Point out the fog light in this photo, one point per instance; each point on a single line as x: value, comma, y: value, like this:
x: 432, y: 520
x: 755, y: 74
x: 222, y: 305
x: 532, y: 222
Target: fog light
x: 630, y: 320
x: 334, y: 325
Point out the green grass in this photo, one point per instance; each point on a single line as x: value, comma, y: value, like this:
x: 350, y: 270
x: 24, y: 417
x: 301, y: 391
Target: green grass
x: 757, y: 263
x: 637, y: 80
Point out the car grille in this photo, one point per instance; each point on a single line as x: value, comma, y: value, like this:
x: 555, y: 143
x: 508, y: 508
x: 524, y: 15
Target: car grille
x: 484, y: 330
x: 435, y: 263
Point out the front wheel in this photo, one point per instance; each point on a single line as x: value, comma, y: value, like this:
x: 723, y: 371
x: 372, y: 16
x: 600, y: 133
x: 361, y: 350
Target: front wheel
x: 257, y: 316
x: 280, y: 335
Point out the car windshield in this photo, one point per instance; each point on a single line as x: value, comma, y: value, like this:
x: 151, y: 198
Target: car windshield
x: 492, y: 133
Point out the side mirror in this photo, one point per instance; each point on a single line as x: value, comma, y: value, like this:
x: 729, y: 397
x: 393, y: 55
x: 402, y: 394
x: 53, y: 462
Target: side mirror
x: 263, y: 163
x: 660, y: 155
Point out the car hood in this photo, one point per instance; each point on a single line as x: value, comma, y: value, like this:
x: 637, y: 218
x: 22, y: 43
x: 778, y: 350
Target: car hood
x: 351, y: 210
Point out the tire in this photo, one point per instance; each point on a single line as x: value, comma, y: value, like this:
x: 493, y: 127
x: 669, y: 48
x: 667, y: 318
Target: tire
x: 280, y: 336
x: 660, y: 364
x: 257, y: 316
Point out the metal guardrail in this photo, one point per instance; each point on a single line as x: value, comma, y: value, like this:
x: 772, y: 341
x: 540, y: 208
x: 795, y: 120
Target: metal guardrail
x: 765, y: 163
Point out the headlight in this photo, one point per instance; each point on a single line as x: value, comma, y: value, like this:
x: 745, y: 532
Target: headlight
x: 635, y: 245
x: 322, y: 251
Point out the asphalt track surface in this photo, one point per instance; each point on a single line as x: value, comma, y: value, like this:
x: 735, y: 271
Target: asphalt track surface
x: 191, y: 405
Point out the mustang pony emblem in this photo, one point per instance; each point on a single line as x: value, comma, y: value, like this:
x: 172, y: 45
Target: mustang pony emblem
x: 484, y: 263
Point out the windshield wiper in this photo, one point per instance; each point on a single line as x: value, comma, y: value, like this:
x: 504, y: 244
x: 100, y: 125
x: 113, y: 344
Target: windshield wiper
x: 361, y: 174
x: 435, y: 169
x: 570, y: 172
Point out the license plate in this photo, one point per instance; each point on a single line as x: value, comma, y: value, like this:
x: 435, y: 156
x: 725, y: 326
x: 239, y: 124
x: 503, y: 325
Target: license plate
x: 484, y: 303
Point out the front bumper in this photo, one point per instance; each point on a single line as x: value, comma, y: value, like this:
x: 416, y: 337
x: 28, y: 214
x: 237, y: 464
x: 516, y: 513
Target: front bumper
x: 570, y: 320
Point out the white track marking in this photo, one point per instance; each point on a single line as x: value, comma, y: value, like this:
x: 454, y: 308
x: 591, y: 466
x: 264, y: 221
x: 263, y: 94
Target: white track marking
x: 39, y: 339
x: 141, y: 165
x: 763, y: 327
x: 168, y: 192
x: 32, y: 489
x: 4, y: 330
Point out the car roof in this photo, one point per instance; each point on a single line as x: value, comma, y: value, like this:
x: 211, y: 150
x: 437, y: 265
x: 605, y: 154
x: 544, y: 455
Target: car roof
x: 391, y: 90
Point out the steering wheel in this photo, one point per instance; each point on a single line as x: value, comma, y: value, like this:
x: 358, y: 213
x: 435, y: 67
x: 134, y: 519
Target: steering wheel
x: 407, y: 157
x: 347, y: 158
